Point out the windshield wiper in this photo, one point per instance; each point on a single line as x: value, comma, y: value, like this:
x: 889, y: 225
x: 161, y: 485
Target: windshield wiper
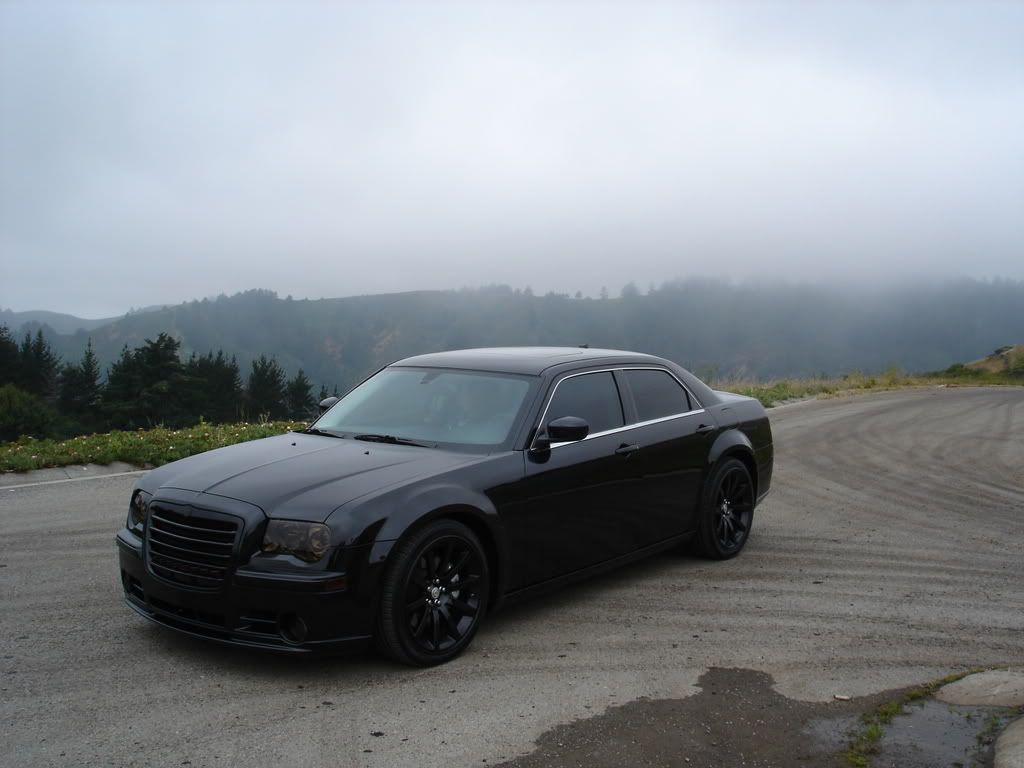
x: 317, y: 431
x: 372, y: 438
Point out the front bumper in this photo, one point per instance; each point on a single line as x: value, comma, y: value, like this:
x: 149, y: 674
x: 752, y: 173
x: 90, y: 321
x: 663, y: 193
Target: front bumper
x: 287, y: 612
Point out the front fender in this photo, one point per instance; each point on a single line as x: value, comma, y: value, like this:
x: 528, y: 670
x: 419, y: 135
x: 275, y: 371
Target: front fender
x: 430, y: 501
x: 383, y: 521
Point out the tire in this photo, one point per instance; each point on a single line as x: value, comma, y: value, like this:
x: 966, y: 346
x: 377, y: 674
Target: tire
x: 726, y: 511
x: 434, y: 595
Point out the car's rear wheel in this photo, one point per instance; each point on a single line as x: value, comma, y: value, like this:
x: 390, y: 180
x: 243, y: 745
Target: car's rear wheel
x: 434, y: 595
x: 727, y: 511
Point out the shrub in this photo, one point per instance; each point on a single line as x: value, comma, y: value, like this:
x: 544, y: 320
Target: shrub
x: 1016, y: 361
x: 142, y: 447
x: 22, y: 414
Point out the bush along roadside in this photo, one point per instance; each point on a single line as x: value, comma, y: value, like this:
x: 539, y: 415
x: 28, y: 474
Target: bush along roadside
x: 143, y: 447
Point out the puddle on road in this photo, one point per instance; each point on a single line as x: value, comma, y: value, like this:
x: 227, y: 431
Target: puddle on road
x: 930, y: 734
x: 933, y: 734
x: 738, y: 720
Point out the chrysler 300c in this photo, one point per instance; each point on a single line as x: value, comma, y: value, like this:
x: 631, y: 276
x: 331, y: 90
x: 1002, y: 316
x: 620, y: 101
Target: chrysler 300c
x: 438, y: 488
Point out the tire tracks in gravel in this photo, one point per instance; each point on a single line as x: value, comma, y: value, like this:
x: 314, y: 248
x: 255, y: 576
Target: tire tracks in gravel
x: 888, y: 554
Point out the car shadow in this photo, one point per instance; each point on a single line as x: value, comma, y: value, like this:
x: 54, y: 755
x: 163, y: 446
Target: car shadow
x: 592, y: 587
x: 298, y: 669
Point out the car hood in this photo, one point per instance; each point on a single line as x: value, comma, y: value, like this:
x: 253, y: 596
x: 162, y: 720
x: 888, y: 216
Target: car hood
x: 298, y: 476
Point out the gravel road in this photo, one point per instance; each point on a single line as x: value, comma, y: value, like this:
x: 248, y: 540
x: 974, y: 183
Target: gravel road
x: 889, y: 553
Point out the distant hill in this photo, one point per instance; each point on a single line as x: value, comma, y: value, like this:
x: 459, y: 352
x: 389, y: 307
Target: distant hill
x: 1003, y: 360
x: 19, y: 322
x: 715, y: 328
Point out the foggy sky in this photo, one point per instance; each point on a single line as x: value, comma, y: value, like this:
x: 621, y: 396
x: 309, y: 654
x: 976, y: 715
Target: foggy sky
x: 159, y: 152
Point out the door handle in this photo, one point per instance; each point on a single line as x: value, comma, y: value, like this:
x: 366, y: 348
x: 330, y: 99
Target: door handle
x: 627, y: 450
x: 704, y: 429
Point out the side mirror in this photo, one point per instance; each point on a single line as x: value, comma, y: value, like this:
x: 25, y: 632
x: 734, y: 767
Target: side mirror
x: 567, y: 429
x: 327, y: 402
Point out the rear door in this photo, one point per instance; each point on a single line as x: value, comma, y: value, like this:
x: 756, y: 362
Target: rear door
x: 671, y: 434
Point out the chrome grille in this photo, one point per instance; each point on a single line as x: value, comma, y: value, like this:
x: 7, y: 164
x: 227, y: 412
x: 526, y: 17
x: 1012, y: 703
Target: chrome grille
x: 195, y: 550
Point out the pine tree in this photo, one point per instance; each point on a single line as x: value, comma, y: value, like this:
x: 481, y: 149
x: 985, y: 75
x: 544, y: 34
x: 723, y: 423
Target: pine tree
x: 213, y: 388
x: 225, y: 388
x: 146, y: 386
x: 265, y: 395
x: 162, y: 374
x: 37, y: 366
x: 123, y: 384
x: 10, y: 365
x: 299, y: 396
x: 90, y: 370
x: 79, y: 385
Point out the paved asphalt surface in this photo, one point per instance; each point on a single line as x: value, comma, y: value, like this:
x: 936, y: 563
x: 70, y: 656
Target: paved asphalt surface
x: 889, y: 553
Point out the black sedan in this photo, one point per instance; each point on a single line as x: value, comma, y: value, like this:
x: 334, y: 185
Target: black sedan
x: 439, y: 487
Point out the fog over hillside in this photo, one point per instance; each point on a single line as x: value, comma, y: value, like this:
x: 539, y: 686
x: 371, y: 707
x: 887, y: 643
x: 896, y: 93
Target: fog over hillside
x: 715, y: 327
x: 157, y: 152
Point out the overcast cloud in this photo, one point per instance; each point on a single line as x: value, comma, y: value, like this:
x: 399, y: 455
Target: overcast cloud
x: 159, y: 152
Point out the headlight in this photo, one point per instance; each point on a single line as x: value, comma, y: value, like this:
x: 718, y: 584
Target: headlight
x: 307, y: 541
x: 138, y: 509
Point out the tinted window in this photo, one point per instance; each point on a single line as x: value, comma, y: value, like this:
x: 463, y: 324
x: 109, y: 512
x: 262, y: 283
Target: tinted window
x: 656, y: 394
x: 593, y: 397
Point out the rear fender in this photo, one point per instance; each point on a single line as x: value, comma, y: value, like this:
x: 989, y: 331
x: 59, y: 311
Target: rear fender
x: 733, y: 442
x: 728, y: 442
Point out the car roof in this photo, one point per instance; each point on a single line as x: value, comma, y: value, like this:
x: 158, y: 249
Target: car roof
x: 525, y: 360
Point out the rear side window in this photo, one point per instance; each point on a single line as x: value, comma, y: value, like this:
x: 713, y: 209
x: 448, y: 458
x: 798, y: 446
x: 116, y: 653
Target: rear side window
x: 656, y: 394
x: 593, y: 397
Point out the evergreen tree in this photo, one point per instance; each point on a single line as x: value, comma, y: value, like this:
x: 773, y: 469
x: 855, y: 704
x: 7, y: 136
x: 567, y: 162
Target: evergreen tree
x: 231, y: 378
x: 10, y: 366
x: 265, y: 396
x: 161, y: 374
x: 213, y: 388
x: 79, y: 385
x: 123, y: 383
x: 299, y: 396
x: 225, y: 388
x: 37, y: 366
x: 145, y: 386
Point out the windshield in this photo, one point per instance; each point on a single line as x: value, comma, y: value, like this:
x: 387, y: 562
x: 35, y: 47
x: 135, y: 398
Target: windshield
x: 431, y: 405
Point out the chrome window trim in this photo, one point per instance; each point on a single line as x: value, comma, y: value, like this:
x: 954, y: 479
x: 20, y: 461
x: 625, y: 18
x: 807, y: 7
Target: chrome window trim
x: 635, y: 425
x: 624, y: 427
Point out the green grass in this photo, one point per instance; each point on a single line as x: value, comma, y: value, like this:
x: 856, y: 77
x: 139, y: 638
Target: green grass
x: 150, y: 447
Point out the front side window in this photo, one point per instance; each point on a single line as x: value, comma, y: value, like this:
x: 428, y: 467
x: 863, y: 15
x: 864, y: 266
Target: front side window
x: 656, y: 394
x: 432, y: 406
x: 593, y: 397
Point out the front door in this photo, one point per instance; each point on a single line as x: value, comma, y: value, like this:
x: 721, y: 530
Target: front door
x: 574, y: 506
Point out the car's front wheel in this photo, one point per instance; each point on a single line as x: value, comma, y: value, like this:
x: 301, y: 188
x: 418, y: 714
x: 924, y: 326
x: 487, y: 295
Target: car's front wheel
x: 727, y: 510
x: 434, y: 595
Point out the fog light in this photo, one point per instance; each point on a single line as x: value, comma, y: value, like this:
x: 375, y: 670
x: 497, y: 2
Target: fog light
x: 293, y: 628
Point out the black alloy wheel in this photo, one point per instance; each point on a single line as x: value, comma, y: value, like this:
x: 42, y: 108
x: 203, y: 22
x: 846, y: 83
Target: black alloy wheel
x: 434, y: 595
x: 727, y: 510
